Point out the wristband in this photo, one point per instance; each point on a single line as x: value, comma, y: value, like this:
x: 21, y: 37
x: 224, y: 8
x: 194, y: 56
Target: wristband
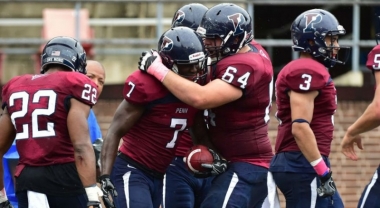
x: 92, y: 193
x: 3, y: 195
x: 158, y: 70
x: 320, y: 167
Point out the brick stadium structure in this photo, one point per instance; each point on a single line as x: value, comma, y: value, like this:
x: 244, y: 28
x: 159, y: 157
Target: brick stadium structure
x: 350, y: 176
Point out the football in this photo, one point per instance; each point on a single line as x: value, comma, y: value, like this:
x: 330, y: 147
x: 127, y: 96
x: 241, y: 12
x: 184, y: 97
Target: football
x: 196, y: 156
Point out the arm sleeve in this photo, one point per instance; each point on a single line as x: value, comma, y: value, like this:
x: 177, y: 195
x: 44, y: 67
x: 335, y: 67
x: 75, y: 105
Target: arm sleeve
x: 306, y: 80
x: 134, y: 90
x: 82, y: 88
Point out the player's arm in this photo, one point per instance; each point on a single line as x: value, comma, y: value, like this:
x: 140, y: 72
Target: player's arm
x: 214, y: 94
x: 369, y: 120
x: 79, y: 135
x: 302, y: 108
x: 126, y: 115
x: 7, y: 136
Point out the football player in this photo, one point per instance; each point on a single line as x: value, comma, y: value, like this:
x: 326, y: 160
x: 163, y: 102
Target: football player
x: 96, y: 72
x: 47, y: 116
x: 151, y: 121
x: 306, y: 102
x: 239, y: 98
x: 181, y: 188
x: 366, y: 122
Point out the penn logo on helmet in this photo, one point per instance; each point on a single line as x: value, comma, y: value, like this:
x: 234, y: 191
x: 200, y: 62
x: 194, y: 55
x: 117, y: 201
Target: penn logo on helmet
x: 179, y: 16
x: 167, y: 44
x: 237, y: 19
x: 311, y: 19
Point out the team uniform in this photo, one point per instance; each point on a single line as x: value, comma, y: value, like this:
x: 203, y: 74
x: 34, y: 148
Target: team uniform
x: 370, y: 196
x: 181, y: 188
x: 239, y: 131
x: 293, y: 174
x: 12, y: 156
x: 38, y: 106
x: 149, y: 146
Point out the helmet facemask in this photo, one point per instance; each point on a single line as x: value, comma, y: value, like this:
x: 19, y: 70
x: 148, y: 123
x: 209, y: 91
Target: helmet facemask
x: 328, y: 53
x: 200, y: 65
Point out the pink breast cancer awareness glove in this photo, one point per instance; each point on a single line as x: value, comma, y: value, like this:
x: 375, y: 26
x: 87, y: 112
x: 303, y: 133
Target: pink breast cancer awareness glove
x: 151, y: 63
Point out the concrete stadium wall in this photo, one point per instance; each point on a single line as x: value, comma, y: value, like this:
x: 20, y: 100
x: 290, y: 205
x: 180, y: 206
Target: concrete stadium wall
x: 351, y: 177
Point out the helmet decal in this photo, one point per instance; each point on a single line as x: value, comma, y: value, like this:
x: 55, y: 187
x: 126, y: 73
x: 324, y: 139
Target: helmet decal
x: 179, y: 16
x: 236, y: 21
x: 181, y: 46
x: 311, y: 19
x: 56, y: 53
x: 167, y: 44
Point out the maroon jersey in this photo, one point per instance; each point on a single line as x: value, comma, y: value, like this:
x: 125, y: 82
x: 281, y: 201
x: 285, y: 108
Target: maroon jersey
x: 239, y: 129
x: 38, y: 106
x: 184, y: 144
x: 153, y: 139
x: 304, y: 75
x: 373, y: 59
x: 260, y: 48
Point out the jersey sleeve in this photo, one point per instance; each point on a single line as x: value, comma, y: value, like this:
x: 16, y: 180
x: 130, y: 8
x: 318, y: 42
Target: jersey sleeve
x: 82, y: 88
x: 373, y: 59
x: 134, y: 90
x: 236, y: 74
x: 307, y: 79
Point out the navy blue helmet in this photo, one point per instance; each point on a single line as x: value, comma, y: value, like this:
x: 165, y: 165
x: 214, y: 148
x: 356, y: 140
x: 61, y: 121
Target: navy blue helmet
x: 182, y: 45
x: 313, y: 26
x: 229, y: 22
x: 189, y: 15
x: 64, y: 51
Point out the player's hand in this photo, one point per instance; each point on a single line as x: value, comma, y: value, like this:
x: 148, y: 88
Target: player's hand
x: 327, y: 187
x: 348, y: 147
x: 108, y: 190
x: 146, y: 60
x: 6, y: 204
x: 218, y: 166
x: 151, y: 63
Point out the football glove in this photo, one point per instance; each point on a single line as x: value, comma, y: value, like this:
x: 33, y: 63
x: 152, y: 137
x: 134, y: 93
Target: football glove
x: 94, y: 204
x: 146, y: 59
x: 6, y: 204
x: 218, y: 166
x: 327, y: 187
x: 108, y: 190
